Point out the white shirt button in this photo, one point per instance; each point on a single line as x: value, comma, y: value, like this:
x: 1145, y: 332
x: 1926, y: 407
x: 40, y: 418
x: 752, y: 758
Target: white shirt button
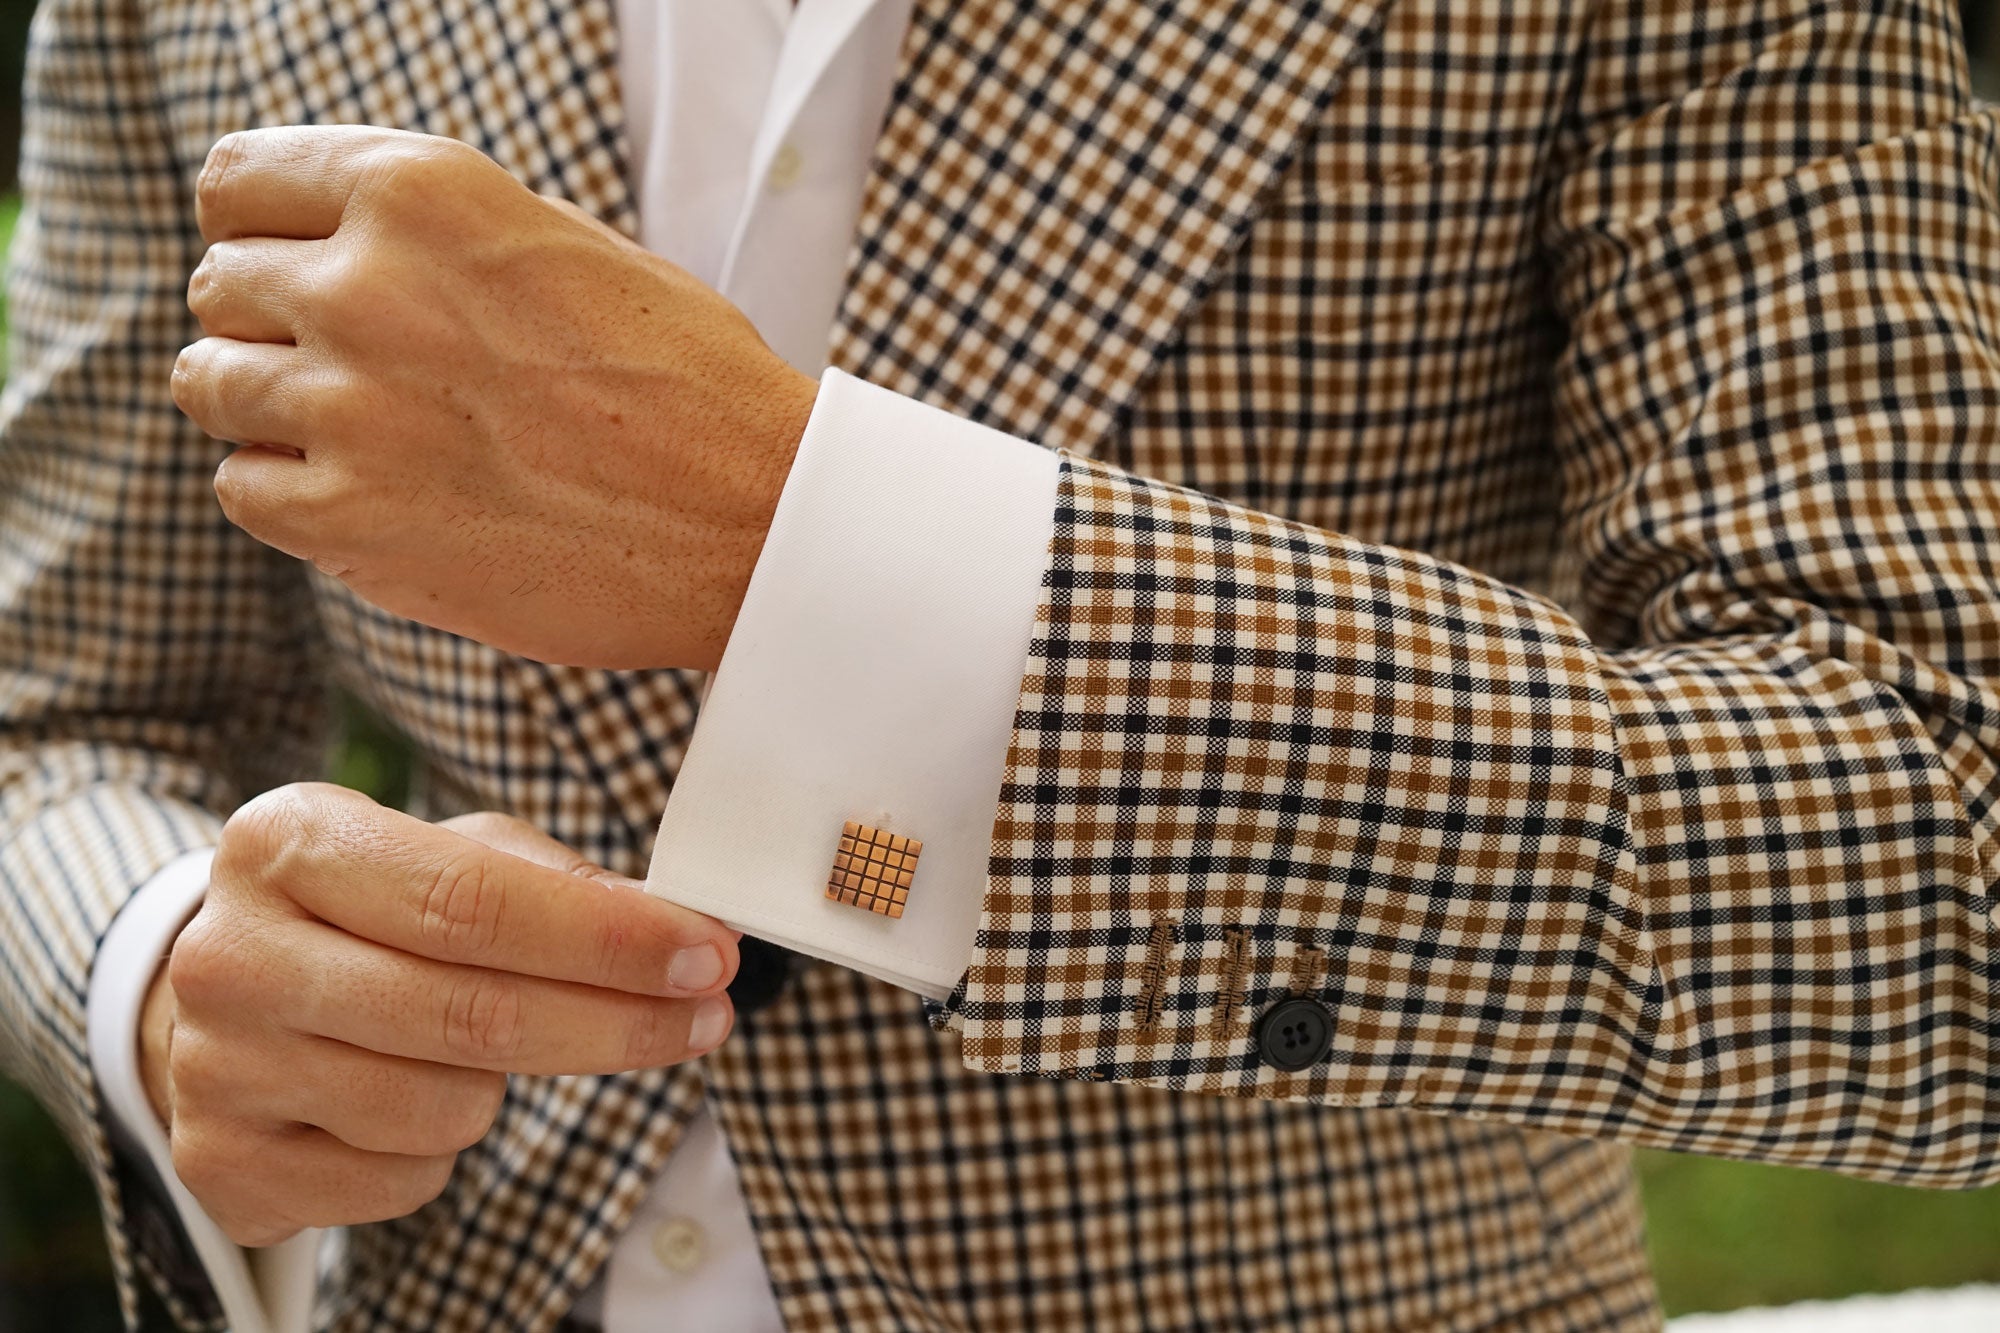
x: 678, y: 1244
x: 786, y: 164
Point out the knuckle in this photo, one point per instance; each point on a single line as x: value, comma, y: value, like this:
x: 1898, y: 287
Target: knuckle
x: 223, y: 156
x: 398, y: 171
x: 190, y: 382
x: 228, y: 1175
x: 255, y: 1222
x: 269, y: 820
x: 458, y: 150
x: 400, y: 1190
x: 204, y: 1164
x: 266, y: 835
x: 335, y: 408
x: 199, y: 967
x: 346, y: 289
x: 483, y: 1019
x: 407, y: 174
x: 196, y: 1069
x: 459, y: 915
x: 480, y: 825
x: 339, y: 280
x: 204, y: 284
x: 432, y: 156
x: 304, y: 394
x: 233, y: 493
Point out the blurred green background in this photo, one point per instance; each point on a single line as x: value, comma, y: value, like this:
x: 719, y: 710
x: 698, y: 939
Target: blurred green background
x: 1723, y: 1234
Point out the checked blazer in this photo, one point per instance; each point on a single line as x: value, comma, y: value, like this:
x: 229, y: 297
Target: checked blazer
x: 1526, y: 573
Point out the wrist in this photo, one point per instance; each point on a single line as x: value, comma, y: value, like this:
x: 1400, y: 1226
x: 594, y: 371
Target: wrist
x: 777, y: 428
x: 788, y: 408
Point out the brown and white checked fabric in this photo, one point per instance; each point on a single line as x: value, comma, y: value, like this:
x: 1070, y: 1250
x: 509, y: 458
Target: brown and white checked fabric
x: 1681, y: 315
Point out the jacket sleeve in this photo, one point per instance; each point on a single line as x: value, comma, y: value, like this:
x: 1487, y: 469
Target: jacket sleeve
x: 152, y: 663
x: 1705, y: 859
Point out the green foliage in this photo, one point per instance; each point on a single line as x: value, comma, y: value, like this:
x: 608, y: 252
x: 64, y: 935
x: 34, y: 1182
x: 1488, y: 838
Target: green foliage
x: 53, y: 1273
x: 1731, y: 1234
x: 10, y: 212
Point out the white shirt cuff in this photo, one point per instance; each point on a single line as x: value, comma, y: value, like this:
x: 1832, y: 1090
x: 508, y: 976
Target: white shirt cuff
x: 873, y: 676
x: 273, y: 1292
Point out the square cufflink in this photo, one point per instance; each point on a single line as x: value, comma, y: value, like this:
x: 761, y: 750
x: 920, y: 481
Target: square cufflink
x: 872, y: 869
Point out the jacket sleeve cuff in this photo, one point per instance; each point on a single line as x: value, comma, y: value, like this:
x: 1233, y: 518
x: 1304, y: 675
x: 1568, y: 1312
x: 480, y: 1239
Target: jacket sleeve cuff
x: 872, y: 677
x: 275, y: 1291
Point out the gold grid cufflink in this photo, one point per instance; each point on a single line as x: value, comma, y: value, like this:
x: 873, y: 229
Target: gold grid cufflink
x: 872, y: 869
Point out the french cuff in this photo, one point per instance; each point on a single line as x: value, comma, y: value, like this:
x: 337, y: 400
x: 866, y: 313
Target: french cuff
x: 272, y: 1292
x: 854, y: 737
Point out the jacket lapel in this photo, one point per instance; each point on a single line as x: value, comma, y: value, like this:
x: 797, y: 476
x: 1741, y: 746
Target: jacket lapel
x: 1057, y: 182
x: 532, y: 83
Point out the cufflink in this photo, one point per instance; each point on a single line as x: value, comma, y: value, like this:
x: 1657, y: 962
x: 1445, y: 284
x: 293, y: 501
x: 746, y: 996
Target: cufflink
x: 872, y: 869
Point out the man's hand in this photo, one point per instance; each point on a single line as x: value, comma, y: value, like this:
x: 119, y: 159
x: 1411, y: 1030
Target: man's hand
x: 338, y: 1020
x: 479, y: 407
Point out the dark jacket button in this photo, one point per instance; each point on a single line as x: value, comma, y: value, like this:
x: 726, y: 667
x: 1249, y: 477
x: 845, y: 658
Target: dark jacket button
x: 1294, y: 1033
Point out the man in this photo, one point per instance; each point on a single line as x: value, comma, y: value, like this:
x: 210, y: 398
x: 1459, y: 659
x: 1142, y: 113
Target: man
x: 1560, y: 711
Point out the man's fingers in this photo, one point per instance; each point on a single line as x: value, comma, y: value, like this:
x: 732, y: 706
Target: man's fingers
x: 428, y: 891
x: 291, y: 181
x: 247, y: 392
x: 517, y: 837
x: 384, y: 1103
x: 413, y: 1108
x: 270, y: 398
x: 274, y: 495
x: 321, y: 1181
x: 252, y: 289
x: 367, y: 1100
x: 365, y: 994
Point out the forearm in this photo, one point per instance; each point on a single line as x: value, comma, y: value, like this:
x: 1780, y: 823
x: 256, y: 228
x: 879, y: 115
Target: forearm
x: 1622, y: 895
x: 1532, y: 877
x: 1675, y: 891
x: 1682, y: 863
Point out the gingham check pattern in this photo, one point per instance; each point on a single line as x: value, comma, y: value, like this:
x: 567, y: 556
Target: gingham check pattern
x: 1704, y: 857
x: 1680, y: 315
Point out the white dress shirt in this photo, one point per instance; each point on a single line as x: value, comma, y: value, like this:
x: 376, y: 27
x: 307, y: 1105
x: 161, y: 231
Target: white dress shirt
x: 872, y: 674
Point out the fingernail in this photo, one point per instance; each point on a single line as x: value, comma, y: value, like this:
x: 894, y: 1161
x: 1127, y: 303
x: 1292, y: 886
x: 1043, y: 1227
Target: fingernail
x: 711, y: 1021
x: 695, y: 969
